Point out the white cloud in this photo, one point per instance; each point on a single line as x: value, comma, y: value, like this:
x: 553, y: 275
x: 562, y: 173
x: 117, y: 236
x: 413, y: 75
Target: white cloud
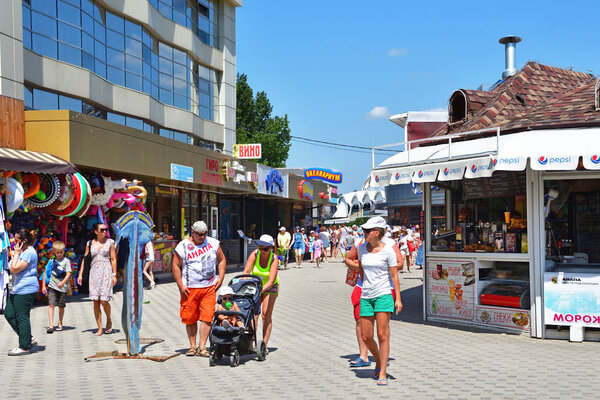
x: 378, y: 112
x: 397, y: 52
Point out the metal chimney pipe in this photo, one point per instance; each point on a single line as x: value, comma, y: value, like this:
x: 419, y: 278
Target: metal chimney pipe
x: 510, y: 53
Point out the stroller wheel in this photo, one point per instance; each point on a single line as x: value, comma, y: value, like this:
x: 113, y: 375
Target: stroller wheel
x: 214, y: 358
x: 261, y: 351
x: 234, y: 358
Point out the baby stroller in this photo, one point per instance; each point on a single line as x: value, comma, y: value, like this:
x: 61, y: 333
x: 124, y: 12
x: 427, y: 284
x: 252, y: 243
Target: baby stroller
x: 246, y: 289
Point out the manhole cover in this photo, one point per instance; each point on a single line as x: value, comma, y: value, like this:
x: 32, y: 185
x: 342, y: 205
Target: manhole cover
x: 142, y: 341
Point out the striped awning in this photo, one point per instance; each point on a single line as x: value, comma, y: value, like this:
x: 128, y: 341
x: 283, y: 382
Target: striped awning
x: 33, y: 161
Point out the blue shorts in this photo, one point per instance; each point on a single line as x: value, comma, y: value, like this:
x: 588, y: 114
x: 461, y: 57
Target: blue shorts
x: 298, y: 246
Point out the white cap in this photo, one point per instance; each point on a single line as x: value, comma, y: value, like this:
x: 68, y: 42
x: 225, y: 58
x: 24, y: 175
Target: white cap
x: 396, y: 229
x: 225, y: 290
x: 200, y: 227
x: 375, y: 222
x: 282, y: 228
x: 265, y: 240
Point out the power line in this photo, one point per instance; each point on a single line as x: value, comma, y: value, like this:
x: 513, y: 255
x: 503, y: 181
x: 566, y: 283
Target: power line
x: 331, y: 147
x: 342, y: 145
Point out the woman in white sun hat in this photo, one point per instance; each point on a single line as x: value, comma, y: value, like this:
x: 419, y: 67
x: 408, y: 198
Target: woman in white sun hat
x: 377, y: 264
x: 263, y: 262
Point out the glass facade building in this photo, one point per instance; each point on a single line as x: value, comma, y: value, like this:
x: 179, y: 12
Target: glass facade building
x: 82, y: 33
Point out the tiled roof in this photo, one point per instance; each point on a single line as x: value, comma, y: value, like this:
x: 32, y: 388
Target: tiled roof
x: 537, y: 95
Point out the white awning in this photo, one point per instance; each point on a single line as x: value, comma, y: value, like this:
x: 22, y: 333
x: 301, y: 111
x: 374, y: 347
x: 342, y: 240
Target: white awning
x: 547, y: 150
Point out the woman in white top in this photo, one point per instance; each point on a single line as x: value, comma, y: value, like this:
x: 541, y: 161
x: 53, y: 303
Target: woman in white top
x: 379, y: 273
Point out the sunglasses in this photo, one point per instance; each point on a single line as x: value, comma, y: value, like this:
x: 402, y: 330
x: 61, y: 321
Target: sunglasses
x: 365, y: 230
x: 227, y: 297
x: 102, y: 230
x: 263, y: 248
x: 200, y: 234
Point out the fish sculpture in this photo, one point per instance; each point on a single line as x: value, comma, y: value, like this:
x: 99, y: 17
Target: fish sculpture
x: 136, y: 226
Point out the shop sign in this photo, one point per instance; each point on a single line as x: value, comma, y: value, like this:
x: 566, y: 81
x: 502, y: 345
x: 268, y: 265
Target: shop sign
x: 451, y: 289
x: 182, y: 173
x: 305, y: 189
x: 380, y: 178
x: 272, y: 182
x: 480, y: 168
x: 234, y: 171
x: 247, y: 151
x: 324, y: 195
x: 322, y: 174
x: 333, y: 190
x: 212, y: 175
x: 165, y: 191
x: 516, y: 163
x: 554, y: 162
x: 333, y: 200
x: 425, y: 174
x: 401, y: 176
x: 504, y: 318
x: 591, y: 161
x: 571, y: 299
x: 163, y: 255
x: 252, y: 177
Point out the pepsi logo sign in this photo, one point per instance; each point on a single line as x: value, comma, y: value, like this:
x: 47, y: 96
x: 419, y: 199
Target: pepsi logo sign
x: 474, y: 168
x: 494, y: 161
x: 420, y: 174
x: 543, y: 160
x: 397, y: 175
x: 595, y: 159
x: 446, y: 171
x: 376, y: 178
x: 556, y: 160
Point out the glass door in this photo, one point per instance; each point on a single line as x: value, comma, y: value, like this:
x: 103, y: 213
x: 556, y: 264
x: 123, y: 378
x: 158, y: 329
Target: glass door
x: 214, y: 222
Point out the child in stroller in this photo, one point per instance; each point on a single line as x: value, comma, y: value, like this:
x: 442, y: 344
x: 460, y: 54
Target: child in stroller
x: 235, y: 340
x: 226, y: 303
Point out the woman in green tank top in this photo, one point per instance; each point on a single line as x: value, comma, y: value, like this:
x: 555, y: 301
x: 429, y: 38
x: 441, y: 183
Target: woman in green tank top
x: 264, y: 262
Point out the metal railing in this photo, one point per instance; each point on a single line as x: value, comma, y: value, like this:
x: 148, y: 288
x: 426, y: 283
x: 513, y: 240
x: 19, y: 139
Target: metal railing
x: 407, y: 144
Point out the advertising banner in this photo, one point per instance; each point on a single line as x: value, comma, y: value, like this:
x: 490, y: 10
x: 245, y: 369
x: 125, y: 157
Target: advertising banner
x: 182, y: 173
x: 572, y: 299
x: 451, y: 289
x: 272, y: 181
x: 247, y: 151
x: 504, y: 318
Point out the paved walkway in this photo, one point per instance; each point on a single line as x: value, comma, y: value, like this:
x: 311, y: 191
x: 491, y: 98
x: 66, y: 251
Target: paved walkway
x: 312, y: 341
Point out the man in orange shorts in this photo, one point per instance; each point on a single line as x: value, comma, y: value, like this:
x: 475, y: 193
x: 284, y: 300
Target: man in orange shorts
x: 195, y: 264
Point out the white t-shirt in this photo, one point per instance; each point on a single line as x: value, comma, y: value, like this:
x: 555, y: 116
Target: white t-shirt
x: 376, y: 270
x: 386, y: 240
x: 199, y: 263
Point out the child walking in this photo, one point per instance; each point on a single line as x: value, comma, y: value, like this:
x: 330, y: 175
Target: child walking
x: 318, y: 247
x: 58, y: 273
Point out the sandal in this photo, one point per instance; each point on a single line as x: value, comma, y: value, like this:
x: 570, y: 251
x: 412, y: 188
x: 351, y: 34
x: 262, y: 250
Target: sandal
x: 359, y: 362
x: 50, y: 330
x: 108, y: 329
x: 202, y: 353
x: 382, y: 382
x: 376, y: 373
x: 191, y: 352
x: 59, y: 328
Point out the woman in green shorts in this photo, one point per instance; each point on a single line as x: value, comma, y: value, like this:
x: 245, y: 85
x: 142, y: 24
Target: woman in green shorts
x: 263, y: 262
x: 379, y: 272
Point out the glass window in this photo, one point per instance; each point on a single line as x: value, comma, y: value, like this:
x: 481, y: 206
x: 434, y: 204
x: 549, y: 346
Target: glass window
x: 165, y: 133
x: 133, y: 30
x: 146, y: 86
x: 133, y: 64
x: 154, y: 77
x: 28, y: 98
x: 115, y: 22
x: 147, y: 39
x: 87, y: 61
x: 147, y: 54
x: 74, y: 2
x: 99, y: 32
x: 134, y: 123
x: 115, y: 40
x: 180, y: 86
x: 179, y: 5
x: 45, y: 6
x: 26, y: 39
x: 179, y: 71
x: 69, y: 34
x: 148, y: 127
x: 112, y: 117
x: 204, y: 113
x: 87, y: 24
x: 100, y: 51
x: 155, y: 91
x: 147, y: 70
x: 180, y: 56
x: 179, y: 18
x: 68, y: 13
x: 87, y: 43
x: 133, y: 81
x: 43, y: 100
x: 69, y: 54
x: 165, y: 10
x: 165, y: 81
x: 43, y: 24
x: 93, y: 111
x: 115, y: 58
x: 180, y: 136
x: 69, y: 103
x: 133, y: 46
x: 154, y: 57
x: 165, y: 50
x: 115, y: 76
x: 26, y: 17
x: 100, y: 68
x: 44, y: 46
x: 180, y: 101
x: 166, y: 97
x: 88, y: 7
x: 166, y: 66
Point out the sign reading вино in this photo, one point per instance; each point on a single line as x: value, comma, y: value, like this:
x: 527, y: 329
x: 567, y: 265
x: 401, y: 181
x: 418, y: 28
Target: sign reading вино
x: 326, y: 175
x: 247, y: 151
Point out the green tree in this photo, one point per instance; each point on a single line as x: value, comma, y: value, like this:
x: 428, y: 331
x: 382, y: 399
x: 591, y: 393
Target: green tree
x: 255, y: 124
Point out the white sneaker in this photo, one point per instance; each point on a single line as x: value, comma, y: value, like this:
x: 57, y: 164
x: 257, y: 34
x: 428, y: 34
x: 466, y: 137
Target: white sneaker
x: 17, y: 351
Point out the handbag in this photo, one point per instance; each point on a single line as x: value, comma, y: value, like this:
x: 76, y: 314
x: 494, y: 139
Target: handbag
x: 352, y: 276
x: 411, y: 246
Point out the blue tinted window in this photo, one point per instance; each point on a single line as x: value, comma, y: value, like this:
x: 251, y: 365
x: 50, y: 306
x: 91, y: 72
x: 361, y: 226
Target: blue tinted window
x: 69, y: 34
x: 45, y: 6
x: 112, y: 117
x: 180, y: 136
x: 100, y: 51
x: 115, y: 58
x: 43, y: 100
x: 134, y: 123
x: 68, y: 103
x: 26, y: 17
x: 69, y: 54
x: 133, y: 30
x: 115, y: 40
x: 180, y: 101
x: 165, y: 81
x: 115, y: 23
x: 87, y: 61
x: 133, y: 81
x: 87, y: 6
x: 43, y: 24
x: 180, y: 56
x: 68, y: 13
x: 165, y: 10
x: 179, y: 86
x: 26, y: 39
x: 87, y: 43
x: 147, y: 54
x: 165, y: 66
x: 179, y: 18
x: 147, y: 39
x: 74, y: 2
x: 100, y: 68
x: 133, y: 64
x: 28, y: 98
x: 133, y: 46
x: 44, y: 46
x: 147, y: 87
x: 99, y: 32
x: 155, y: 91
x: 115, y: 75
x: 166, y: 97
x: 87, y: 24
x: 148, y: 127
x: 165, y: 133
x: 180, y: 71
x: 147, y: 70
x: 165, y: 51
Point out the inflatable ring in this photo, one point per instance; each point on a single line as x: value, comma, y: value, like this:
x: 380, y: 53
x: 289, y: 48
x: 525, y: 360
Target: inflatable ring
x: 87, y: 201
x: 66, y: 193
x: 48, y: 193
x: 34, y: 184
x: 14, y: 197
x: 79, y: 198
x: 8, y: 174
x: 138, y: 191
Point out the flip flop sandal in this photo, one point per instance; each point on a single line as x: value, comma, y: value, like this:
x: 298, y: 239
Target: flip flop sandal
x: 382, y: 382
x: 50, y: 330
x: 359, y: 362
x: 203, y: 353
x: 191, y: 352
x: 59, y: 328
x: 376, y: 373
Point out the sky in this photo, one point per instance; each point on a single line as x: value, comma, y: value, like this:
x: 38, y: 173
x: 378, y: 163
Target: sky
x: 340, y: 68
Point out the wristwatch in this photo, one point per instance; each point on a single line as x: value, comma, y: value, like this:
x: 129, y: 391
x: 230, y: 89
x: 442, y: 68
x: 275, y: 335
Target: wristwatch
x: 114, y: 274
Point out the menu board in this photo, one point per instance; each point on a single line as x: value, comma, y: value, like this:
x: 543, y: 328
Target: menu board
x: 501, y: 183
x: 451, y: 289
x: 504, y: 318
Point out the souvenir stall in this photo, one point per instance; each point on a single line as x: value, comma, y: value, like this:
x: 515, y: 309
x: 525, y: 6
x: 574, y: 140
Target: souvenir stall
x: 519, y: 249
